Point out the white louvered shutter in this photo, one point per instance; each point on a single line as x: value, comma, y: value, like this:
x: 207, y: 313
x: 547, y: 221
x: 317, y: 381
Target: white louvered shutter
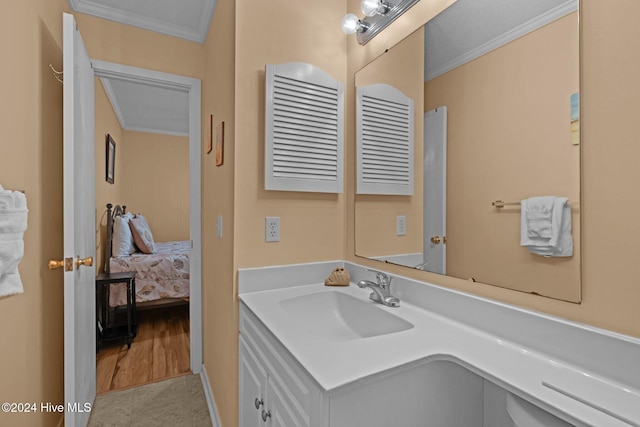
x: 385, y: 144
x: 304, y: 129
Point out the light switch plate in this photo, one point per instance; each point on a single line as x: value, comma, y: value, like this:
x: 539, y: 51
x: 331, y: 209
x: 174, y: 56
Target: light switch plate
x: 219, y: 226
x: 401, y: 225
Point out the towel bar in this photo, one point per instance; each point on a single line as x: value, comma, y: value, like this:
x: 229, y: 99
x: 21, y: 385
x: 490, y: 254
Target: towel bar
x: 501, y: 204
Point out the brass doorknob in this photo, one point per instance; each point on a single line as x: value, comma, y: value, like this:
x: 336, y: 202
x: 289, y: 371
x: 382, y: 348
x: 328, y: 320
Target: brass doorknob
x: 87, y: 262
x: 435, y: 240
x: 53, y: 264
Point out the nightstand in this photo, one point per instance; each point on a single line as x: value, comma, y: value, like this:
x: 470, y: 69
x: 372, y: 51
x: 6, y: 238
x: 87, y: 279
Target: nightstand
x: 114, y: 323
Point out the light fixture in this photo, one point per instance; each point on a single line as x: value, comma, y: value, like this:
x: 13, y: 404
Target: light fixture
x: 351, y: 24
x: 374, y: 7
x: 378, y: 14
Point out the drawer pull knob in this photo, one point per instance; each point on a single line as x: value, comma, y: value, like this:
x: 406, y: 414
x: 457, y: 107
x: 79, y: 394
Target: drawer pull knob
x: 265, y: 415
x: 259, y: 403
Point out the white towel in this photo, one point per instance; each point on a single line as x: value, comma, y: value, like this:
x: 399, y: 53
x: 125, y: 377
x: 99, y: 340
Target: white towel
x: 13, y: 223
x: 545, y: 226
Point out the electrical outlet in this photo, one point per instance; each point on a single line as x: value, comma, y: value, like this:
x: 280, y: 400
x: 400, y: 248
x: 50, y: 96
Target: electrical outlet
x: 401, y: 225
x: 272, y: 229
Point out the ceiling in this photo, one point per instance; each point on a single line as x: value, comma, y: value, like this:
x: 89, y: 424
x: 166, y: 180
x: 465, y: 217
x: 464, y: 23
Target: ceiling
x: 471, y: 28
x: 148, y: 107
x: 187, y: 19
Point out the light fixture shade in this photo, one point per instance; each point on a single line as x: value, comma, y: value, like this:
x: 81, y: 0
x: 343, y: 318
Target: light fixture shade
x: 373, y: 7
x: 350, y: 23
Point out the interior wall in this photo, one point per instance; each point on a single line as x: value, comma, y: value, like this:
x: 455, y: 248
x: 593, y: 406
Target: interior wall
x: 508, y: 138
x: 155, y: 181
x: 609, y: 90
x: 311, y: 224
x: 123, y: 44
x: 106, y: 122
x: 220, y: 309
x: 376, y: 215
x: 31, y: 160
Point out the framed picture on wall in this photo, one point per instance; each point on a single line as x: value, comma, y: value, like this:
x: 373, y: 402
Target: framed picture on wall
x: 111, y: 160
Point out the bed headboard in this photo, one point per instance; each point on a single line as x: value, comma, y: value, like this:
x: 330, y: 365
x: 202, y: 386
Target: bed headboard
x: 112, y: 212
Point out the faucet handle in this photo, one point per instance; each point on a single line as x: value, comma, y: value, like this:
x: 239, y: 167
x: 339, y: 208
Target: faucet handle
x: 382, y: 278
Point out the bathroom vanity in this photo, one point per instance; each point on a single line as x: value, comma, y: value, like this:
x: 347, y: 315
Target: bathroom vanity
x: 312, y: 355
x: 276, y: 388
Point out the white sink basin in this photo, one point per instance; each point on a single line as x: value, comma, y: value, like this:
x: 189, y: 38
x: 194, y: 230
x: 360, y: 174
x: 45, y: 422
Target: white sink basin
x: 338, y: 316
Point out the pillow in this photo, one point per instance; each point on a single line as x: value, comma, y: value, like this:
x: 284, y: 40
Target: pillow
x: 122, y: 239
x: 142, y: 236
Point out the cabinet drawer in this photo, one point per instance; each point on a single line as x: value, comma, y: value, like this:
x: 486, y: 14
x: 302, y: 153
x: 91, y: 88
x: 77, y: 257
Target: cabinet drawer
x: 303, y: 396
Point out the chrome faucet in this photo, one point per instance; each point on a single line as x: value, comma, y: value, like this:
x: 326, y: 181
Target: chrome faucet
x: 381, y: 291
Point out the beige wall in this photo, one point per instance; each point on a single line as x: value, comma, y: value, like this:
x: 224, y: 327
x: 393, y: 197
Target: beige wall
x: 31, y: 160
x: 220, y: 309
x: 508, y: 138
x: 311, y: 224
x: 155, y: 179
x: 106, y: 122
x: 403, y: 68
x: 609, y: 175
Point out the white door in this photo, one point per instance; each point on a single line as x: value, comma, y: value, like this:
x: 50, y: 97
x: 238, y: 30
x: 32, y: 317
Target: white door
x: 435, y: 190
x: 79, y: 228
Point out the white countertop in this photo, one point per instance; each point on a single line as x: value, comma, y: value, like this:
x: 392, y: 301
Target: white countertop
x: 565, y: 390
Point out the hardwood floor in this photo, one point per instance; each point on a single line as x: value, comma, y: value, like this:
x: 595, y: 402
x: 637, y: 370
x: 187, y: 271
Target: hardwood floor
x: 159, y: 351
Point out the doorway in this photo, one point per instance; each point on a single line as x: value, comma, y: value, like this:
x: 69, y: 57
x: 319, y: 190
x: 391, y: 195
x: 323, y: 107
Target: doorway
x: 172, y: 321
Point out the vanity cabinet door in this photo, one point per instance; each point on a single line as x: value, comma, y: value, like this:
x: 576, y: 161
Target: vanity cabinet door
x: 291, y: 398
x: 280, y: 408
x: 253, y: 385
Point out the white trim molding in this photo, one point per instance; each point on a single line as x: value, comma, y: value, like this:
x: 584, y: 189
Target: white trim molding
x: 193, y: 31
x: 211, y: 402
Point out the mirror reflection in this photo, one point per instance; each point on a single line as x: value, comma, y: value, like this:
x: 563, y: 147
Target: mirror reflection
x: 495, y: 85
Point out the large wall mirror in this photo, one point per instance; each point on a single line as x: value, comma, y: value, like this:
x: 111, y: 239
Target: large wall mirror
x: 495, y: 86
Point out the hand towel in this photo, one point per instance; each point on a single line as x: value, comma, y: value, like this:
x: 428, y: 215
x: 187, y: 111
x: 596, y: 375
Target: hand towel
x: 545, y: 226
x: 13, y: 223
x: 538, y: 215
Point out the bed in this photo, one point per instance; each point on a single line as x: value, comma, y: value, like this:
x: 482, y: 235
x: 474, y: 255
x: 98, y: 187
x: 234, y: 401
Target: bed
x: 162, y: 276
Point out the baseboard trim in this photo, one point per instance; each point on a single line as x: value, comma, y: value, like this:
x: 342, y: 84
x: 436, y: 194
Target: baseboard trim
x: 211, y: 403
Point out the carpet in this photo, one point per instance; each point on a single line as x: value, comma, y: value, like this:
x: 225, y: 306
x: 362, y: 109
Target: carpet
x: 178, y: 401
